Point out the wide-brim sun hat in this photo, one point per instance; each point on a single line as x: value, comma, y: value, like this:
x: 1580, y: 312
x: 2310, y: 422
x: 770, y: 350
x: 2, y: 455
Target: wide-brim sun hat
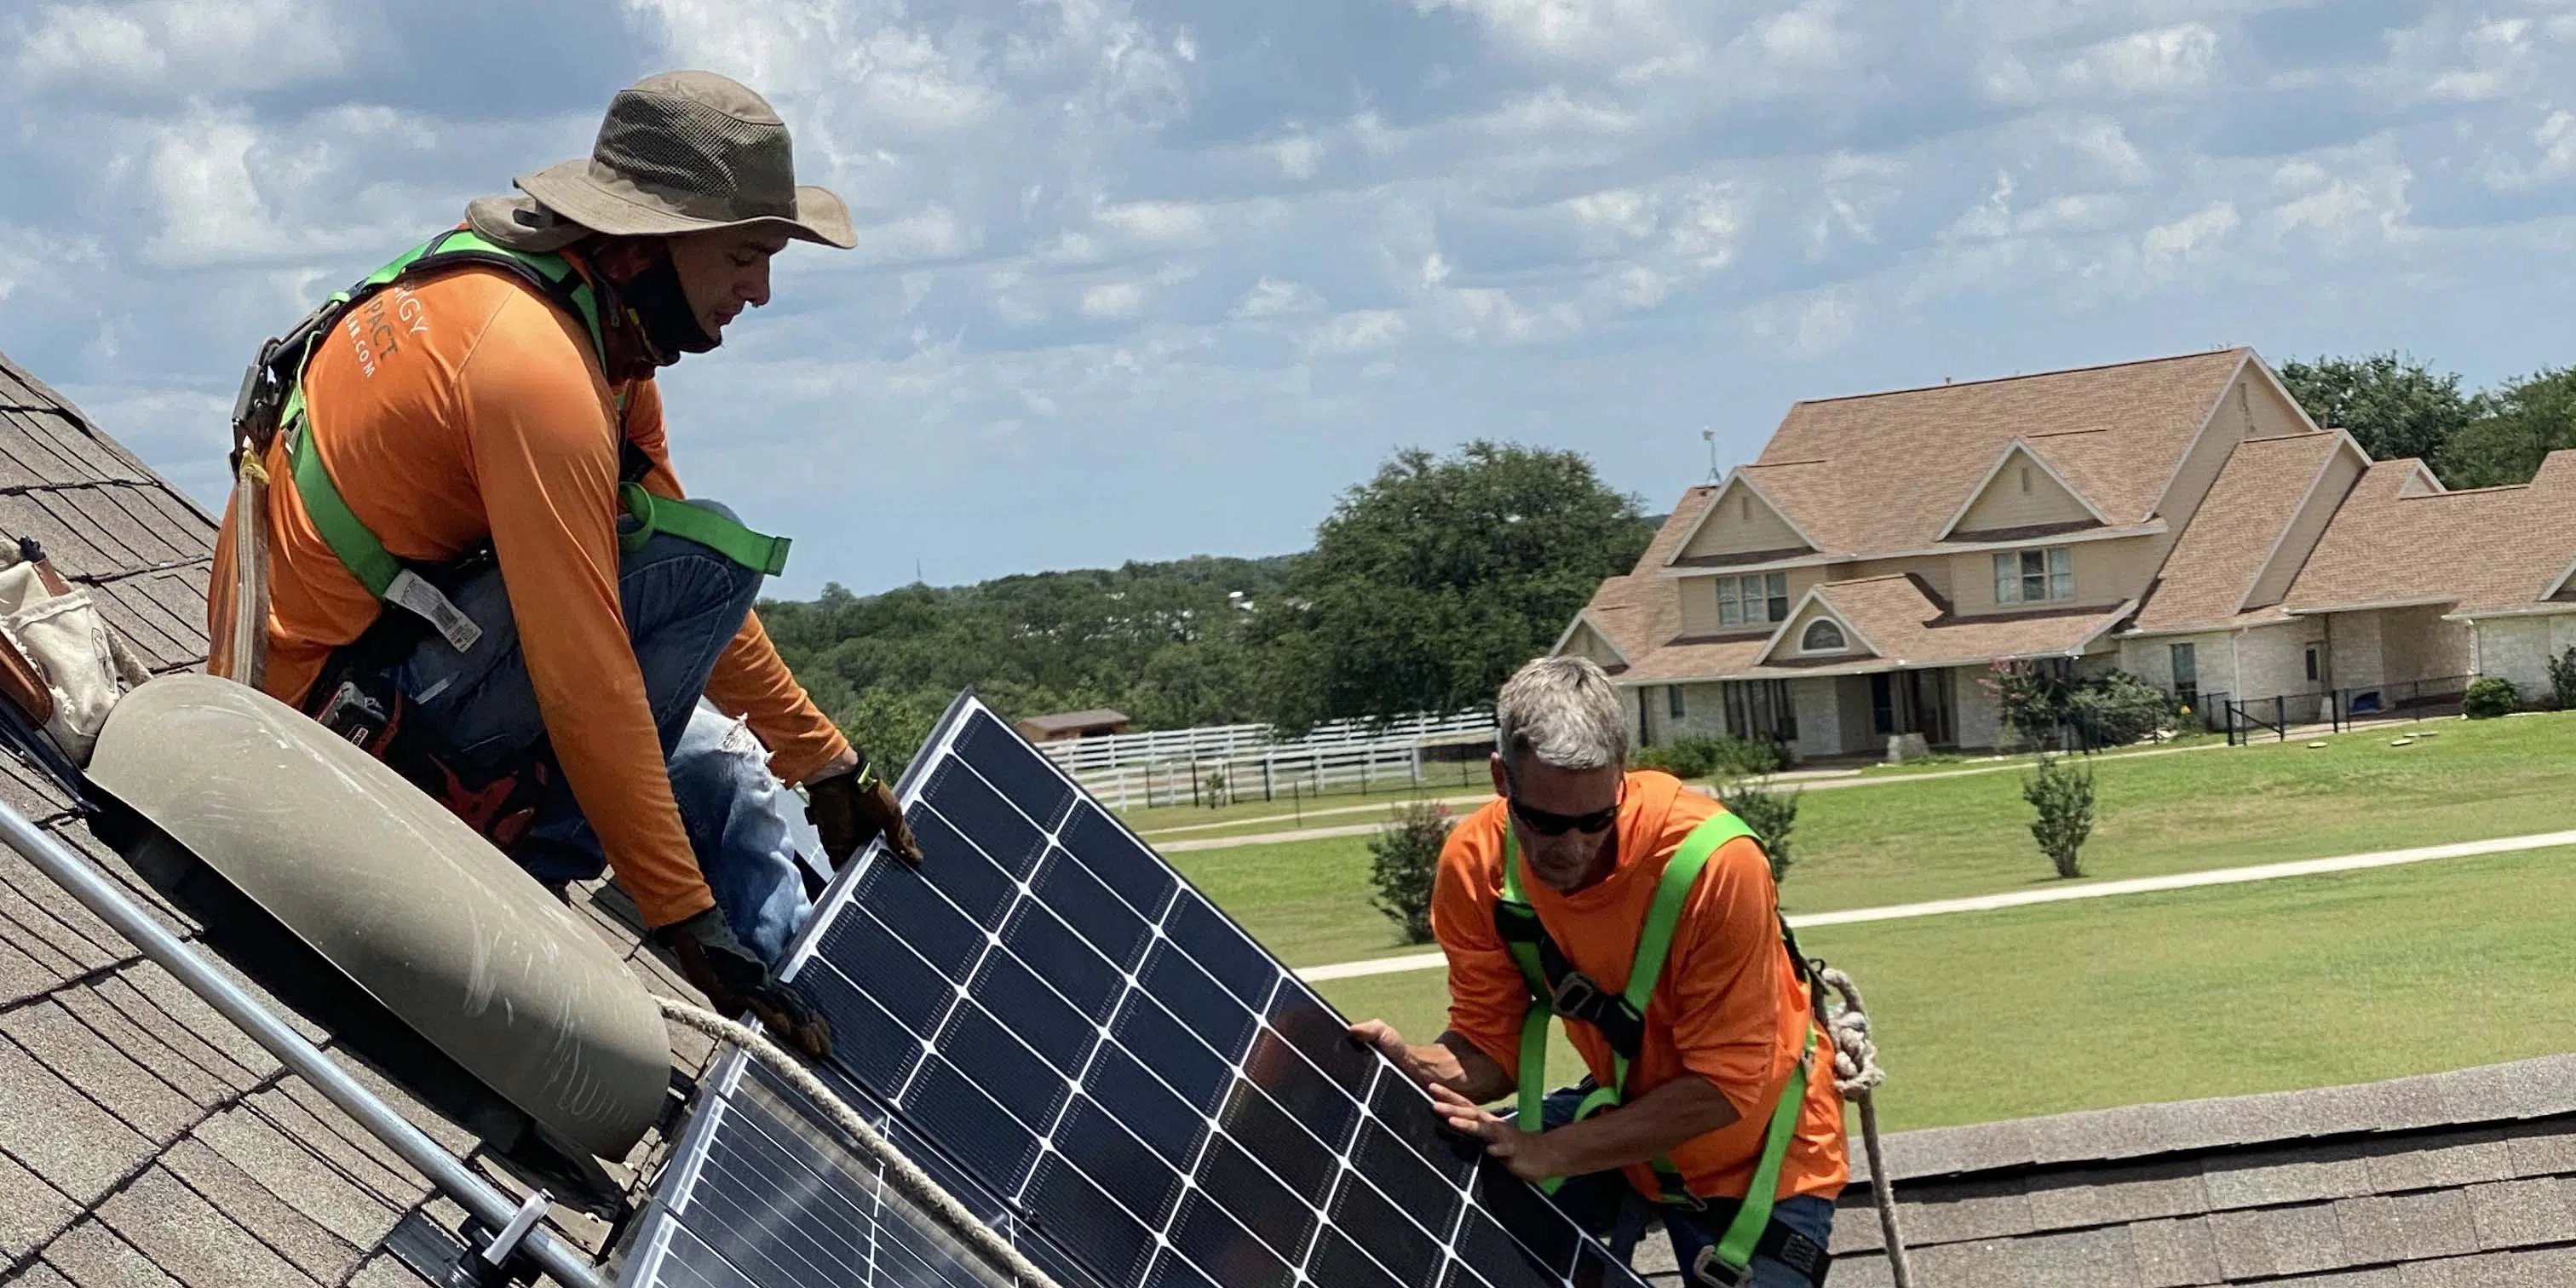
x: 681, y: 152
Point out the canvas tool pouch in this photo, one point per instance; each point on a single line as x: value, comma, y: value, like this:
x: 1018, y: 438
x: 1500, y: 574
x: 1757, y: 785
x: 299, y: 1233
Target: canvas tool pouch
x: 59, y: 666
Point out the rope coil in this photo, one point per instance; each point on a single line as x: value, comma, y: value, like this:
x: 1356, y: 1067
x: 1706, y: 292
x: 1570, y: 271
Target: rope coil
x: 1857, y: 1075
x: 902, y: 1173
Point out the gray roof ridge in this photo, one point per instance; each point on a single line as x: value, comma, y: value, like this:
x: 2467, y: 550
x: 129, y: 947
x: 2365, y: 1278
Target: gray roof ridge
x: 2462, y: 1099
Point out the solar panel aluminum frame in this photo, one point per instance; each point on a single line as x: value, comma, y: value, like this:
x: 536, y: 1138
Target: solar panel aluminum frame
x: 1358, y: 1232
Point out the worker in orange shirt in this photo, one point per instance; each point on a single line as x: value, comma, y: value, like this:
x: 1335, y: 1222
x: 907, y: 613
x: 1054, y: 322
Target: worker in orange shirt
x: 1644, y: 915
x: 467, y: 550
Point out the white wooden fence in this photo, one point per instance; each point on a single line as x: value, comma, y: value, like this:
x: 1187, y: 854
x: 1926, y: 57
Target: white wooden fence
x: 1223, y: 763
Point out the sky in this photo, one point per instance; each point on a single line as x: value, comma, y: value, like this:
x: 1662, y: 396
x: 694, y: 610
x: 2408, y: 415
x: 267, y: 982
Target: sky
x: 1142, y: 279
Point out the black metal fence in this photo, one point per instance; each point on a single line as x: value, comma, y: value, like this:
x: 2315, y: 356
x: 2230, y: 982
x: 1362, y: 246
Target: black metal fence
x: 2339, y: 709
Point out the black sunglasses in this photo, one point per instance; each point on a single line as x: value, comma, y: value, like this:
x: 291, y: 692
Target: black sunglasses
x: 1549, y: 823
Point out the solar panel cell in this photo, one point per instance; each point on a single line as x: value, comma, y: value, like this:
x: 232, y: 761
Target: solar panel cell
x: 1120, y: 860
x: 1101, y: 918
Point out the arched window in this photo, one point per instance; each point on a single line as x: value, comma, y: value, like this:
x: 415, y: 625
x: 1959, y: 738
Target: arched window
x: 1822, y: 637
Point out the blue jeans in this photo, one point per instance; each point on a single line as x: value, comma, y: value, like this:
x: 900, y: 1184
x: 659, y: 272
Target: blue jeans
x: 683, y: 603
x: 1607, y: 1206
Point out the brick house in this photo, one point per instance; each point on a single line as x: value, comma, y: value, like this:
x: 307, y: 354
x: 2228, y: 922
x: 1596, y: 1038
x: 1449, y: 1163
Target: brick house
x: 2179, y: 518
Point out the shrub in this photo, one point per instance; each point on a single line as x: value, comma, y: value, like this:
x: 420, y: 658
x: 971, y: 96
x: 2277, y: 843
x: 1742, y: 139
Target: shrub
x: 2030, y: 702
x: 1404, y: 857
x: 2115, y: 708
x: 2491, y: 697
x: 1704, y: 757
x: 1770, y: 814
x: 2109, y: 709
x: 2063, y: 796
x: 2562, y: 679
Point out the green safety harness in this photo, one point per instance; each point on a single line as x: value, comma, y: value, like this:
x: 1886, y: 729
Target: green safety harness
x: 1556, y: 988
x: 277, y: 379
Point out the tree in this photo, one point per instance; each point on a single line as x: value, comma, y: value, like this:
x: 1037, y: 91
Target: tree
x: 2062, y: 796
x: 1404, y: 863
x: 2524, y: 422
x: 2394, y: 405
x: 1431, y: 583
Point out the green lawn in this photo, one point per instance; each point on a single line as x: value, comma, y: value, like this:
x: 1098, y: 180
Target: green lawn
x: 1943, y: 838
x: 2268, y: 986
x: 1308, y: 901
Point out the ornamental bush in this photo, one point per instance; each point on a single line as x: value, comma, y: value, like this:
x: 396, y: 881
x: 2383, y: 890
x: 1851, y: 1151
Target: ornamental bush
x: 2491, y: 697
x: 2063, y: 796
x: 1404, y: 858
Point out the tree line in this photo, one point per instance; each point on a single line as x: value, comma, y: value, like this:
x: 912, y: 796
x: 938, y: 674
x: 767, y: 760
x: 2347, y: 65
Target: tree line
x: 1427, y: 585
x: 2398, y: 406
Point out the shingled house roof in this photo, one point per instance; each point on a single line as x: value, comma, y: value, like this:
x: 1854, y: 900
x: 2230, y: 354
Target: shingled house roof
x: 2465, y: 1178
x: 143, y: 1139
x: 1876, y: 474
x: 2213, y: 567
x: 2400, y: 538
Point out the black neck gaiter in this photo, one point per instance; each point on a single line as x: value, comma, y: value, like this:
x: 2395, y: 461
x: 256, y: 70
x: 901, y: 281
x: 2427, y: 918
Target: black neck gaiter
x: 657, y: 300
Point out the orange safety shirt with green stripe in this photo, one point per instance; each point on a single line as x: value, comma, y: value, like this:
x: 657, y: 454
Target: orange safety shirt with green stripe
x: 467, y: 407
x: 1729, y: 1008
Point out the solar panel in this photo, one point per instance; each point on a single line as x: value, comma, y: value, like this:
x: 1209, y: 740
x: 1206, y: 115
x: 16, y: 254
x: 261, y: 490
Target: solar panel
x: 761, y: 1192
x: 1122, y: 1074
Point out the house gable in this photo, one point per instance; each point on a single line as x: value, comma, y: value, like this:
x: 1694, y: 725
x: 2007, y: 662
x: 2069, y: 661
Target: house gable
x: 2019, y: 492
x: 1738, y: 522
x: 1585, y: 640
x: 1789, y: 643
x: 2334, y: 481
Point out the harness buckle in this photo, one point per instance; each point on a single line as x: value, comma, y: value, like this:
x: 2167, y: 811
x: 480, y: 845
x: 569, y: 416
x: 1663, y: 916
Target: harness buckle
x: 1707, y: 1270
x: 1575, y: 995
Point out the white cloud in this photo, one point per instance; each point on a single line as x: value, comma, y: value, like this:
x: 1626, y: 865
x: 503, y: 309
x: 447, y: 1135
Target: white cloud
x: 1271, y: 297
x: 932, y: 233
x: 1357, y: 332
x: 1113, y: 300
x: 1613, y: 218
x: 1298, y: 155
x: 1808, y: 38
x: 2194, y: 237
x: 2163, y: 60
x: 1599, y: 32
x: 1157, y: 223
x: 175, y: 47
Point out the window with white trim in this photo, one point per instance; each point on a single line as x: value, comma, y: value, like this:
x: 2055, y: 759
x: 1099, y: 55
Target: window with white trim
x: 1752, y: 599
x: 2034, y: 576
x: 1822, y: 636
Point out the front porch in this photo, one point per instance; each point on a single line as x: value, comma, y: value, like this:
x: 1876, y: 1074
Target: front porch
x: 2328, y: 668
x: 1830, y: 717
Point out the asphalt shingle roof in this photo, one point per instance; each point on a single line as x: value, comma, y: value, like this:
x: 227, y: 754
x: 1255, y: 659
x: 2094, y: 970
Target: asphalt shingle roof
x: 2241, y: 521
x: 1903, y: 623
x: 2491, y: 549
x: 143, y: 1139
x: 1880, y: 473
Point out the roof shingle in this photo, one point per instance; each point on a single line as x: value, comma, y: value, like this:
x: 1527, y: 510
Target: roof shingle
x: 2214, y: 565
x: 2488, y: 550
x: 143, y: 1138
x: 1881, y: 473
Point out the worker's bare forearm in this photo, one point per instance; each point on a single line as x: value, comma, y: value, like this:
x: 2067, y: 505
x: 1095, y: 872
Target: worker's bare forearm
x: 1644, y: 1129
x: 1455, y: 1063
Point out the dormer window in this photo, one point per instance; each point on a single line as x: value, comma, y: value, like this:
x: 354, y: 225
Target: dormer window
x: 1822, y: 636
x: 2034, y: 576
x: 1752, y: 599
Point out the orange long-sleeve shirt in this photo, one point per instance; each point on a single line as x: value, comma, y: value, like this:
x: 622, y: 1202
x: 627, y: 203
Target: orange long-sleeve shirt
x: 1728, y: 1008
x: 470, y: 408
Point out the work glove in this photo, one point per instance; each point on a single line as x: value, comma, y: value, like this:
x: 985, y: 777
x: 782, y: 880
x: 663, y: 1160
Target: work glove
x: 716, y: 964
x: 855, y: 807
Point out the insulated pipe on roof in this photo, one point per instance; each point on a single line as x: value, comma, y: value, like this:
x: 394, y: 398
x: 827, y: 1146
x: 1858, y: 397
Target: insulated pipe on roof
x: 102, y: 897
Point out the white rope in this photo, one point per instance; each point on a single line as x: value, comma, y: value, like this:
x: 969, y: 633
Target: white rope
x: 904, y: 1174
x: 1857, y: 1075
